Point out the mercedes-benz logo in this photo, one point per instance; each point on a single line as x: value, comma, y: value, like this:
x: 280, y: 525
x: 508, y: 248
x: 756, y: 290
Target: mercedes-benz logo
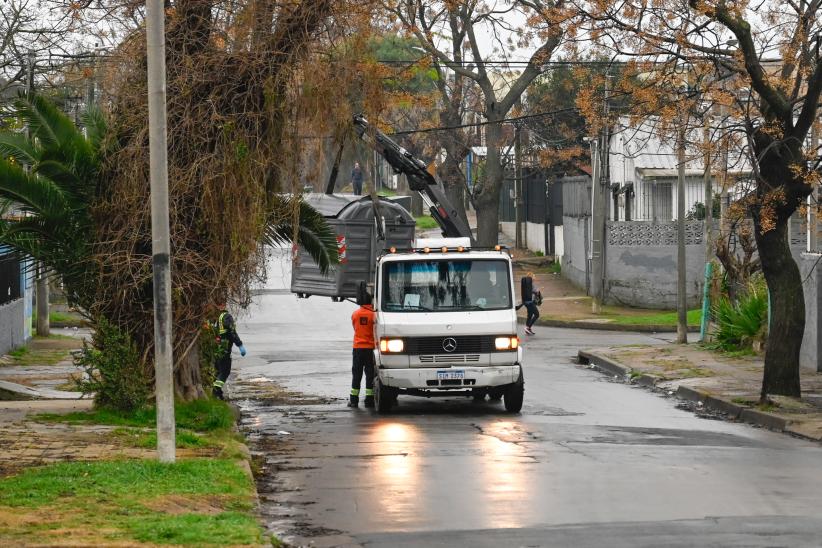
x: 449, y: 344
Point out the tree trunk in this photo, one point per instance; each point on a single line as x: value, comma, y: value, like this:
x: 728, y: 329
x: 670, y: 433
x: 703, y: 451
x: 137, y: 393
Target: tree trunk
x: 487, y: 201
x: 781, y: 375
x: 188, y: 383
x: 454, y: 182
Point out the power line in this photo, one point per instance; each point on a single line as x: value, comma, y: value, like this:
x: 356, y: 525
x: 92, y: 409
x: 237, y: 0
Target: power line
x: 486, y: 122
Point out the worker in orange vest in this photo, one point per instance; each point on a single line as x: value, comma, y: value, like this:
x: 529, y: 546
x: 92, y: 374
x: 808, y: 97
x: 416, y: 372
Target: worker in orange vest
x: 363, y: 356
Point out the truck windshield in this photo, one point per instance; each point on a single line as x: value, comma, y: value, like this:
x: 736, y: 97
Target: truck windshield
x: 446, y: 285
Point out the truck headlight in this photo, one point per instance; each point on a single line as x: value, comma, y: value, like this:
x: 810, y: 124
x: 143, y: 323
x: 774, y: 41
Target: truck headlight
x: 506, y: 343
x: 389, y: 346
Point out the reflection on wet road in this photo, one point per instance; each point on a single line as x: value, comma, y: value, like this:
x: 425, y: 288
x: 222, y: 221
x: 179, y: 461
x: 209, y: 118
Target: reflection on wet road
x: 588, y: 462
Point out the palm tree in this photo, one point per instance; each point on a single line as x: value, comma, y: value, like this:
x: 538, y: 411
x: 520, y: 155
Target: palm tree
x: 48, y: 183
x: 48, y: 178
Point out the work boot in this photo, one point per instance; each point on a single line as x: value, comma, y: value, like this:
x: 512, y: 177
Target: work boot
x: 353, y: 401
x: 217, y: 392
x: 369, y: 401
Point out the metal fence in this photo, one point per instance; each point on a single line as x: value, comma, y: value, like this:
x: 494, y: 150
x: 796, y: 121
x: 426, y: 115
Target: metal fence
x: 576, y: 196
x: 542, y: 198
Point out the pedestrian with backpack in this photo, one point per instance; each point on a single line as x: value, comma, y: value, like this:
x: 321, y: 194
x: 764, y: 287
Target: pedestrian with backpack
x: 530, y: 298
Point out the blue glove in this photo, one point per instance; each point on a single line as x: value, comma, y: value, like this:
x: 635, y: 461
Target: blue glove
x: 242, y: 350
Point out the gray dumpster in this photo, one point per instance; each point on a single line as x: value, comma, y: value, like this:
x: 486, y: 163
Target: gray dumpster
x: 352, y: 217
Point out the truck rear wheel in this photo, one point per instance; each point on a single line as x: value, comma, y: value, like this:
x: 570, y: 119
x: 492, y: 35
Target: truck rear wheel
x: 514, y: 395
x: 384, y: 397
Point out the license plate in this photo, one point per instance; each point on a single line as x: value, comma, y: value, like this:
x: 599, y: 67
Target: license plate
x: 453, y: 374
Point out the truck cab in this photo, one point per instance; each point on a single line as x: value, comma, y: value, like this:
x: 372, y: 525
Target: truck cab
x: 446, y: 323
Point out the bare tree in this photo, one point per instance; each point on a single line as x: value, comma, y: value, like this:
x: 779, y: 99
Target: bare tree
x: 446, y: 30
x: 772, y: 99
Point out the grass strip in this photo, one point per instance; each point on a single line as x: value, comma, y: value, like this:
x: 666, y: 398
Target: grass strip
x: 201, y: 415
x: 191, y: 502
x: 658, y: 318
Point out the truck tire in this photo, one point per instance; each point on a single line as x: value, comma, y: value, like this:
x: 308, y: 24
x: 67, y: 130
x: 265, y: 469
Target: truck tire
x: 478, y: 394
x: 514, y: 395
x: 383, y: 397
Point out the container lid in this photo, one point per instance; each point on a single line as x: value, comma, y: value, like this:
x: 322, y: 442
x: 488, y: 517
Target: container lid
x: 356, y: 208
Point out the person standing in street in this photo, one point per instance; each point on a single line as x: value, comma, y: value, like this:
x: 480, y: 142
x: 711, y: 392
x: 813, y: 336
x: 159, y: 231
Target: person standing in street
x: 226, y: 338
x: 528, y: 301
x: 356, y: 178
x: 363, y: 354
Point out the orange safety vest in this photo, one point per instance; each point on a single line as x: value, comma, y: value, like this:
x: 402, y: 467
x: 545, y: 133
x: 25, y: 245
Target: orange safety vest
x: 363, y: 321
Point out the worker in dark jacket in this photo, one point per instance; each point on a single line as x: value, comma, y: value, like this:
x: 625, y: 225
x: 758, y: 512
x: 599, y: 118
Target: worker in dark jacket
x: 528, y: 294
x: 226, y: 338
x: 363, y: 355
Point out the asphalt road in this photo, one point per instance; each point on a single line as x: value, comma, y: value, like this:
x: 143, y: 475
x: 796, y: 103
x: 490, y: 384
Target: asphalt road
x: 588, y: 462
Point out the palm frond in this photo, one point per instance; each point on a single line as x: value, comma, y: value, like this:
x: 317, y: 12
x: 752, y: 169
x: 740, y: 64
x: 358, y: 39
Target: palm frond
x: 96, y: 127
x: 19, y: 147
x: 46, y: 122
x: 33, y: 192
x: 313, y: 233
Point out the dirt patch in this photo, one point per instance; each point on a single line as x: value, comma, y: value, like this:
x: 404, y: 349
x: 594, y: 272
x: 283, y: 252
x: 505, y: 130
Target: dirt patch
x: 267, y: 392
x: 182, y: 504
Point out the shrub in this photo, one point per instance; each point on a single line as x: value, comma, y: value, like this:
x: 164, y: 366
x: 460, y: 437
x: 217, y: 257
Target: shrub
x: 740, y: 324
x: 111, y: 364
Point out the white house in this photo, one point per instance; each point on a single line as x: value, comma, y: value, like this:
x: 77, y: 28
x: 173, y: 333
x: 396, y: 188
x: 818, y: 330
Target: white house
x: 643, y: 171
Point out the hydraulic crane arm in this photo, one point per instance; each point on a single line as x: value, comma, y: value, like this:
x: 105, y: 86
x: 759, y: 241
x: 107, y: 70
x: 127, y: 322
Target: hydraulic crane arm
x: 419, y: 179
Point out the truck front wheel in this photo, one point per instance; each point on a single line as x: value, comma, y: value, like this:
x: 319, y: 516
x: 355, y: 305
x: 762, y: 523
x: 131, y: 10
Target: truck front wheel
x: 384, y: 397
x: 514, y: 395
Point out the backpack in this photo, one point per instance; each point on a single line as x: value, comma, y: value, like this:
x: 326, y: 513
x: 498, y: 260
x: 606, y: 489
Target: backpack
x: 538, y: 298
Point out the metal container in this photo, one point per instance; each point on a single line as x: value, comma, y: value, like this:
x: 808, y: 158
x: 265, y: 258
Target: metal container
x: 352, y: 218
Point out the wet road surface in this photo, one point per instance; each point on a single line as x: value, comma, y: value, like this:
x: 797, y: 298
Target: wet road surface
x: 588, y: 462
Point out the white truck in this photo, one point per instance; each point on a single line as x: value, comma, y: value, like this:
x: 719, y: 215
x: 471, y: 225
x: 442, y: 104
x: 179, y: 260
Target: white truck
x: 446, y: 324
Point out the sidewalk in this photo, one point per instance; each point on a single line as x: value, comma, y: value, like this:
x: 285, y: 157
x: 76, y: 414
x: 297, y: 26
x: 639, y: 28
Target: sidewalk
x: 565, y: 305
x: 71, y: 475
x: 714, y: 383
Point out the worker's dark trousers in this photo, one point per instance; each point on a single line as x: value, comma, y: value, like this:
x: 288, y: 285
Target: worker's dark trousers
x: 533, y: 313
x: 357, y: 187
x: 363, y: 361
x: 223, y: 367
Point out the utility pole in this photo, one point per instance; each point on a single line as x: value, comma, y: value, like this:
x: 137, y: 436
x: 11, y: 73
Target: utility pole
x: 160, y: 248
x: 518, y: 204
x: 41, y: 288
x: 599, y: 211
x: 709, y: 248
x: 813, y: 244
x: 92, y: 82
x: 682, y: 301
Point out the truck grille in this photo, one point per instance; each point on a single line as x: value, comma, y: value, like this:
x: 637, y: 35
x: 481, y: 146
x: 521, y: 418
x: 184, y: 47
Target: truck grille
x: 450, y: 358
x: 463, y: 344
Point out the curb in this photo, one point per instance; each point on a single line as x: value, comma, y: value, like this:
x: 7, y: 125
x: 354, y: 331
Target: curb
x: 637, y: 328
x: 603, y: 364
x: 29, y: 393
x: 686, y: 393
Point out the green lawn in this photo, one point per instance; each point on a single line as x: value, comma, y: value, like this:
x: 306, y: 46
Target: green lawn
x: 71, y: 320
x: 658, y: 318
x: 205, y: 415
x: 425, y: 222
x: 192, y: 502
x: 200, y: 501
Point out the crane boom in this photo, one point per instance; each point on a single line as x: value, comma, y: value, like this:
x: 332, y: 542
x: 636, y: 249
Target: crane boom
x: 419, y: 179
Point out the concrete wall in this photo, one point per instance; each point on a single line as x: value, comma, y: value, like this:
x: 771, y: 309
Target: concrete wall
x: 809, y: 356
x: 574, y: 256
x: 646, y: 276
x: 534, y: 236
x: 12, y: 333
